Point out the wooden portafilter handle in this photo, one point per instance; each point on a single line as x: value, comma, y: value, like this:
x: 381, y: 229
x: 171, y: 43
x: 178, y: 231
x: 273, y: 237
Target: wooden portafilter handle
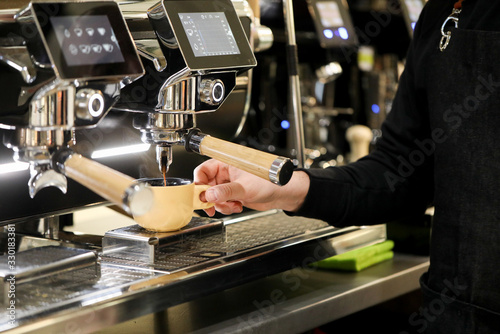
x: 255, y: 5
x: 134, y: 197
x: 268, y: 166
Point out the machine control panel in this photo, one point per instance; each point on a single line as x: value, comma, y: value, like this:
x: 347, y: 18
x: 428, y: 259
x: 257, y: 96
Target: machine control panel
x: 209, y: 34
x: 86, y: 39
x: 333, y: 23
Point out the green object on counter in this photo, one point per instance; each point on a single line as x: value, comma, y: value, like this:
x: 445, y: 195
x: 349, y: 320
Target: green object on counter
x: 359, y: 259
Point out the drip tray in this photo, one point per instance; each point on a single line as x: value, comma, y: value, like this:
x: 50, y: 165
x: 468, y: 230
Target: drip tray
x: 52, y: 264
x: 138, y: 244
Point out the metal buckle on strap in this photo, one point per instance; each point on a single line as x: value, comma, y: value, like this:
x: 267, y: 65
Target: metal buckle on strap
x: 446, y: 36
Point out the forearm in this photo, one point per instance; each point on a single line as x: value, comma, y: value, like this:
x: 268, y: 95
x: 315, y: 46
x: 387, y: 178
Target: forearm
x: 360, y: 195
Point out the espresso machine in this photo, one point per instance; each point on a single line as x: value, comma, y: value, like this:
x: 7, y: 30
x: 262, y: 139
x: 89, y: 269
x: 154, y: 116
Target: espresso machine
x: 68, y: 68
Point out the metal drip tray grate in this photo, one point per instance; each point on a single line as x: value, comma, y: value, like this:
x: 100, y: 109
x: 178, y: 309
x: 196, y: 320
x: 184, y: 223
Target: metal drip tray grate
x: 187, y: 258
x: 252, y: 232
x: 49, y: 265
x: 48, y: 295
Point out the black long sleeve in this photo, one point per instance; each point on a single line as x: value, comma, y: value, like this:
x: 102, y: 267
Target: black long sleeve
x: 395, y: 180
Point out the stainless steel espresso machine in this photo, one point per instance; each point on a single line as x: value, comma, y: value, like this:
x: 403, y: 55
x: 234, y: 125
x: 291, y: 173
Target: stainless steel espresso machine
x: 69, y: 67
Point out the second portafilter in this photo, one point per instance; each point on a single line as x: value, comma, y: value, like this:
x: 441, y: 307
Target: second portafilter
x: 205, y: 47
x: 167, y: 129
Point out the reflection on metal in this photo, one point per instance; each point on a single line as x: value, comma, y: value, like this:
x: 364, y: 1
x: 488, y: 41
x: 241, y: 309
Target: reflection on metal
x: 122, y: 150
x: 295, y: 103
x: 46, y: 265
x: 197, y: 260
x: 136, y: 243
x: 150, y: 49
x: 19, y: 59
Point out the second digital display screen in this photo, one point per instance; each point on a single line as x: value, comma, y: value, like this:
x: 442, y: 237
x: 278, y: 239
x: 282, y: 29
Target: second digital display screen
x: 209, y: 34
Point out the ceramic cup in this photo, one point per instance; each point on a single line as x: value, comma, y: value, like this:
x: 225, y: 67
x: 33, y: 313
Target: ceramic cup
x: 173, y: 204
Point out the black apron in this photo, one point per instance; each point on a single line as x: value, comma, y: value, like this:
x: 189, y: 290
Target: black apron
x: 462, y: 287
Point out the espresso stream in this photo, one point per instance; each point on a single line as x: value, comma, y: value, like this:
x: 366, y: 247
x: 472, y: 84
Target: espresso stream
x: 164, y: 171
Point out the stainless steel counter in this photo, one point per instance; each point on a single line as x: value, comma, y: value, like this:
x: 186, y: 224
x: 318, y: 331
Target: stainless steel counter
x: 179, y: 267
x: 290, y: 302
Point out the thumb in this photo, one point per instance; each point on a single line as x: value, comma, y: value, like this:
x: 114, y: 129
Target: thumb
x: 231, y: 191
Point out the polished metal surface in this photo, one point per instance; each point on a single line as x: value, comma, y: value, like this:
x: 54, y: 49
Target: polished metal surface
x: 150, y: 49
x: 295, y: 102
x: 18, y: 58
x: 194, y: 142
x: 138, y: 244
x: 264, y: 38
x: 178, y: 95
x: 61, y: 105
x: 53, y: 264
x: 277, y: 171
x: 252, y: 246
x: 294, y: 301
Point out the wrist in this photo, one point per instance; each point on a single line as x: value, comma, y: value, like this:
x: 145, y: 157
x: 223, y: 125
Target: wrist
x: 291, y: 196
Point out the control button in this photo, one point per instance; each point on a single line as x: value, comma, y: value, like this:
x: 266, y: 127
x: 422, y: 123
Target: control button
x: 212, y: 91
x: 85, y: 48
x: 89, y: 103
x: 73, y: 49
x: 96, y: 48
x: 108, y: 47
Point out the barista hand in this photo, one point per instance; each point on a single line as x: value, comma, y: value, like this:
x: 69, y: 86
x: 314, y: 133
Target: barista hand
x: 233, y: 188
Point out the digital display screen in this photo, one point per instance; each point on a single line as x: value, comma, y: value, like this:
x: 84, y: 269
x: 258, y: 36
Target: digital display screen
x: 329, y: 13
x: 209, y: 34
x: 86, y: 40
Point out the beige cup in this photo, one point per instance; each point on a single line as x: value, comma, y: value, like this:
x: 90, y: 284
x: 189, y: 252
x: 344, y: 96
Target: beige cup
x: 173, y: 204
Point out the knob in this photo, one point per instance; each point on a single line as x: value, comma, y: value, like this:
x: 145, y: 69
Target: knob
x: 359, y: 138
x: 263, y: 39
x: 212, y: 91
x: 89, y: 103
